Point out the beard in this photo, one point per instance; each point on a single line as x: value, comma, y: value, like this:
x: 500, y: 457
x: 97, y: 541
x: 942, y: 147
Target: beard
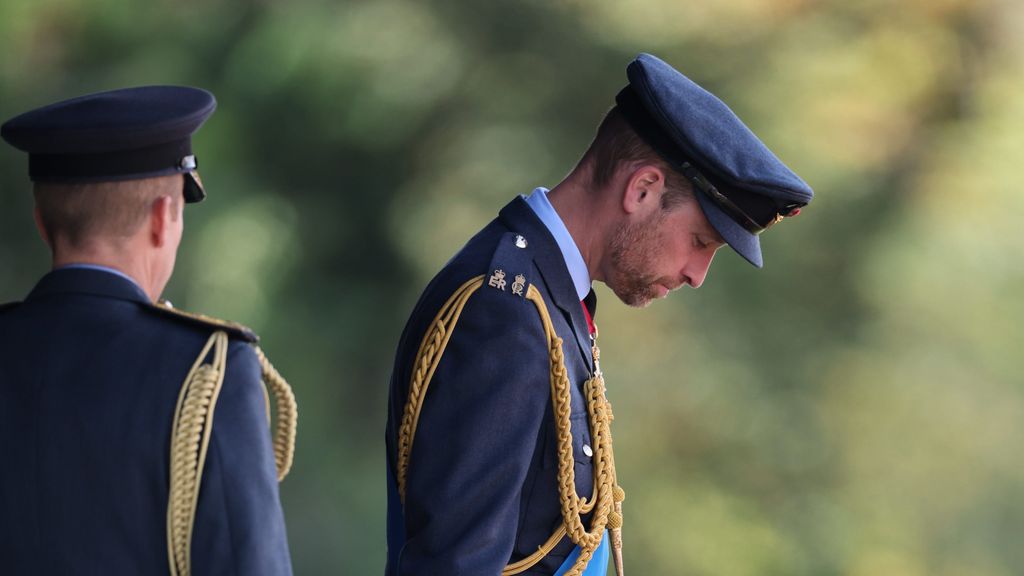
x: 634, y: 250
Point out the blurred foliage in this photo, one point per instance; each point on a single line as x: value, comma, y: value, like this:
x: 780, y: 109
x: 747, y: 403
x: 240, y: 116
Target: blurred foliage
x: 853, y: 409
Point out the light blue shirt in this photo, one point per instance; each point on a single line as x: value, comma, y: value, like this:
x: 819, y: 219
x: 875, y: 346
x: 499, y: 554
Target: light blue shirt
x: 101, y: 269
x: 538, y: 200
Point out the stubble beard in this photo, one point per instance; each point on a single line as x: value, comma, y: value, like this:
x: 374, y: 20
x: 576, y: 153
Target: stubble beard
x: 634, y: 248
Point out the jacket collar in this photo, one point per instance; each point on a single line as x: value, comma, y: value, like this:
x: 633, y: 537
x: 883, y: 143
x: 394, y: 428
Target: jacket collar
x: 521, y: 219
x: 87, y: 281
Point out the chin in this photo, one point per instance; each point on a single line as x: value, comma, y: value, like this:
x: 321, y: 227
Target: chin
x: 635, y: 299
x: 642, y: 303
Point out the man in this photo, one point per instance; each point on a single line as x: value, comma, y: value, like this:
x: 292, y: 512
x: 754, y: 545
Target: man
x: 498, y: 425
x: 134, y: 437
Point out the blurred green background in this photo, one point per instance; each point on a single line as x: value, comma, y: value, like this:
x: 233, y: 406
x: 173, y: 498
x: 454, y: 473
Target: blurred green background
x: 853, y: 409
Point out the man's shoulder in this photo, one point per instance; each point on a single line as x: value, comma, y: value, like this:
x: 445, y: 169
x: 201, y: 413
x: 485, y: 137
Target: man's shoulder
x: 502, y: 259
x: 175, y: 318
x: 8, y: 306
x: 492, y: 271
x: 511, y: 268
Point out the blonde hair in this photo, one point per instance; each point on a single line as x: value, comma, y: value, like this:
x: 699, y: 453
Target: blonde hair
x: 79, y: 212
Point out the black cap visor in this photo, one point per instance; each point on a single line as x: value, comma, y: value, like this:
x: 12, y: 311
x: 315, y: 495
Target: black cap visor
x: 194, y: 191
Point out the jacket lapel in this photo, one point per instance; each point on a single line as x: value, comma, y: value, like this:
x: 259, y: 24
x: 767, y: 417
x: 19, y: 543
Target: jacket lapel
x: 521, y: 219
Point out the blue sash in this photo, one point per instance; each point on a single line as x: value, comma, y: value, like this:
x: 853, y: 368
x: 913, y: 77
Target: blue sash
x: 598, y: 565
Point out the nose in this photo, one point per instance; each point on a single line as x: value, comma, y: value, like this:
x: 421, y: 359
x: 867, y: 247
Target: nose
x: 696, y: 269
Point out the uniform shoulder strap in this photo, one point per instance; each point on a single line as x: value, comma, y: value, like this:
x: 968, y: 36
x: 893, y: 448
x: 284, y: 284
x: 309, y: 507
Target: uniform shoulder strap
x: 511, y: 267
x: 232, y: 329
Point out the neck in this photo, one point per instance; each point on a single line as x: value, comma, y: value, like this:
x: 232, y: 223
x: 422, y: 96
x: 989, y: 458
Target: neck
x: 581, y: 209
x: 121, y: 259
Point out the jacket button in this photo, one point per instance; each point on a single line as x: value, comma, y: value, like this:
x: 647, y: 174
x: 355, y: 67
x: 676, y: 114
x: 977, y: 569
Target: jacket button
x: 588, y: 450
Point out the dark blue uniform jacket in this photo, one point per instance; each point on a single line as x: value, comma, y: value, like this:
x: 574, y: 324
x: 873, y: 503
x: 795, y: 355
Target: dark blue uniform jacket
x: 481, y: 487
x: 89, y: 378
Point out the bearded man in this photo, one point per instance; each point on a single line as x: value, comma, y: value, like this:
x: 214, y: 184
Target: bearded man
x: 498, y: 438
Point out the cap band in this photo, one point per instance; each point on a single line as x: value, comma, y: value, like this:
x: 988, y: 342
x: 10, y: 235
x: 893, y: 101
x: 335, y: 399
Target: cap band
x: 119, y: 164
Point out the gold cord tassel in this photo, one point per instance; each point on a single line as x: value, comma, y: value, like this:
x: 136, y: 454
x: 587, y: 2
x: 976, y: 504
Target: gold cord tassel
x: 615, y: 530
x: 287, y: 413
x: 190, y: 439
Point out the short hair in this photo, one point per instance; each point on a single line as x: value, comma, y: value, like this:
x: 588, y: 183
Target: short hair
x: 617, y: 144
x: 79, y: 212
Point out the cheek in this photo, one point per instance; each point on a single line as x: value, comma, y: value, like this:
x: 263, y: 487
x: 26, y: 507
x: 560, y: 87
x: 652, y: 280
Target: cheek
x: 676, y: 250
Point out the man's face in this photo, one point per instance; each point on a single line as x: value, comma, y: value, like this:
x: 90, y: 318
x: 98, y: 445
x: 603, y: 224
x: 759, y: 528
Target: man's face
x: 670, y: 249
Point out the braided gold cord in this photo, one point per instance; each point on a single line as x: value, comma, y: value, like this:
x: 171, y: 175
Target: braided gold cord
x: 287, y: 413
x: 190, y: 439
x: 607, y: 494
x: 571, y: 503
x: 427, y: 358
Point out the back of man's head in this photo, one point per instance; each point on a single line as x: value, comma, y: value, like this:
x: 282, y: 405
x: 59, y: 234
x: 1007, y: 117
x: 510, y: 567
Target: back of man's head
x: 101, y: 161
x: 79, y: 215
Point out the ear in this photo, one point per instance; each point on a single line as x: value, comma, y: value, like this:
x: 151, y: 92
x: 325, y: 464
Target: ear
x: 40, y: 227
x: 644, y: 189
x: 161, y: 212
